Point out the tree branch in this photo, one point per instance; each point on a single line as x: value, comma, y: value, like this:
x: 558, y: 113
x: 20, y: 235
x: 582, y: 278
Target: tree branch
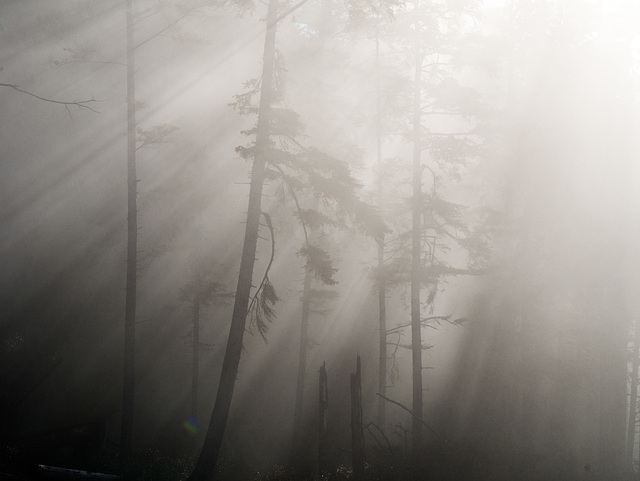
x: 265, y: 278
x: 424, y: 322
x: 413, y: 414
x: 81, y: 104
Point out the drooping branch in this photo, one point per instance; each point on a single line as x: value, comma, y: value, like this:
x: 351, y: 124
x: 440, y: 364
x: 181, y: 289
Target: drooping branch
x: 267, y: 218
x: 81, y: 104
x: 264, y: 283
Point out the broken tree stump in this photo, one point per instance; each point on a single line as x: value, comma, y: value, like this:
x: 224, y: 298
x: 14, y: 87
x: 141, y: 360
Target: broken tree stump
x: 357, y: 433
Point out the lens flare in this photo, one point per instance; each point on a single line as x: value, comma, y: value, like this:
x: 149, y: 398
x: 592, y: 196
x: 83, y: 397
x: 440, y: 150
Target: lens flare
x: 191, y: 425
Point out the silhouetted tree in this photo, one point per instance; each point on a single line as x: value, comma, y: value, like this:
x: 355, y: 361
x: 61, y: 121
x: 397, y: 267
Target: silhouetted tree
x: 431, y: 38
x: 128, y: 391
x: 206, y: 463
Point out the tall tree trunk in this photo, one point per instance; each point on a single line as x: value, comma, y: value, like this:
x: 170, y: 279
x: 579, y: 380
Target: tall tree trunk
x: 382, y: 288
x: 302, y: 367
x: 126, y: 434
x: 633, y: 397
x: 416, y: 334
x: 357, y: 434
x: 205, y: 466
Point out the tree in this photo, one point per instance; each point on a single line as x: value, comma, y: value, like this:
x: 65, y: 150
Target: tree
x: 206, y: 463
x: 372, y: 16
x: 324, y: 195
x: 434, y: 36
x: 317, y: 264
x: 200, y: 293
x: 128, y: 390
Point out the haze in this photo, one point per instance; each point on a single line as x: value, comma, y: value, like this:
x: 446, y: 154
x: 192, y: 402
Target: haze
x: 473, y: 163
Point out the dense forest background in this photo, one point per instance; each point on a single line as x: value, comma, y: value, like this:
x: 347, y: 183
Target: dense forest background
x: 449, y: 193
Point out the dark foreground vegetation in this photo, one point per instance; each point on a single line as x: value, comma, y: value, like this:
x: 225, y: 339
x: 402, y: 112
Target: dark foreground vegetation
x: 440, y: 464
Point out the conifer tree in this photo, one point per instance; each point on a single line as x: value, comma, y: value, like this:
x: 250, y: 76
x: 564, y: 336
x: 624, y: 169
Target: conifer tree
x: 206, y: 463
x: 430, y: 35
x: 324, y: 196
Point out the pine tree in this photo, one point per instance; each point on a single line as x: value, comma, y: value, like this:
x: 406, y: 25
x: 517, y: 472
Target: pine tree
x: 205, y: 466
x: 431, y: 36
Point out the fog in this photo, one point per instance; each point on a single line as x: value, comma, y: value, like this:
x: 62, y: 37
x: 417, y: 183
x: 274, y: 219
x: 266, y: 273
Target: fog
x: 517, y: 120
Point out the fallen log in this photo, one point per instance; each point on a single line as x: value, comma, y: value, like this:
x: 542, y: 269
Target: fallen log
x: 54, y: 472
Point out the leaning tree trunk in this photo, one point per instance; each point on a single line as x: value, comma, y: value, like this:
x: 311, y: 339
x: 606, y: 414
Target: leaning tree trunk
x: 205, y: 466
x: 416, y: 334
x: 126, y: 434
x: 302, y: 367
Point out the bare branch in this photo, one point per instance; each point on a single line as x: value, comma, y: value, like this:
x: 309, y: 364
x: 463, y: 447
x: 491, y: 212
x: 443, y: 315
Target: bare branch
x: 424, y: 322
x: 413, y: 414
x: 81, y: 104
x: 100, y: 62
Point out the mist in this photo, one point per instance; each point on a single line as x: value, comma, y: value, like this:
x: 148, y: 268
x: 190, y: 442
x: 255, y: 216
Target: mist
x: 445, y: 192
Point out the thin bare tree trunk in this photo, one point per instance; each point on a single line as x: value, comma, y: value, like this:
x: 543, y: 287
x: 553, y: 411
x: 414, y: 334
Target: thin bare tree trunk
x: 205, y: 466
x: 416, y: 334
x: 382, y: 288
x: 128, y: 391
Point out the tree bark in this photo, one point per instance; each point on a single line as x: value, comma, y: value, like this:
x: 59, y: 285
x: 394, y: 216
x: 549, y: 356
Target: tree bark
x: 205, y: 466
x: 416, y: 334
x: 302, y: 367
x: 357, y: 434
x: 128, y: 391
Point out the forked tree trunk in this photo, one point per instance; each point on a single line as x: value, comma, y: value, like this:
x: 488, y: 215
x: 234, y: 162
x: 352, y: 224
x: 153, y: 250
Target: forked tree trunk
x: 416, y: 334
x: 205, y: 466
x: 323, y: 422
x: 357, y: 434
x: 126, y: 433
x: 302, y: 367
